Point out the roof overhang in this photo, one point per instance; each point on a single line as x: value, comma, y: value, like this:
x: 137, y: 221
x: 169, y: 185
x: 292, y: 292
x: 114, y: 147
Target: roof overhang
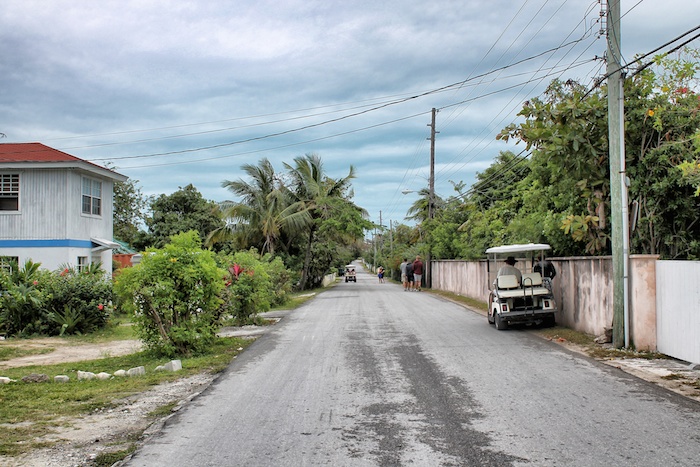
x: 103, y: 244
x: 69, y: 165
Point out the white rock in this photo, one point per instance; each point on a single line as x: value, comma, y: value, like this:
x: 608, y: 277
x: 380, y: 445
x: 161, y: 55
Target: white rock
x: 120, y: 373
x: 173, y: 365
x: 103, y: 375
x: 137, y: 371
x: 61, y: 379
x: 6, y: 380
x: 85, y: 375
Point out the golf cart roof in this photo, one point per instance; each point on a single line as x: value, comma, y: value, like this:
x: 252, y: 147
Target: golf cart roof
x: 350, y: 266
x: 518, y: 248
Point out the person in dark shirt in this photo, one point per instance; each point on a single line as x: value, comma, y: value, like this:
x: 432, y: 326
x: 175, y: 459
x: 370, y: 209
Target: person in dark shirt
x: 409, y: 276
x: 546, y: 269
x: 417, y: 273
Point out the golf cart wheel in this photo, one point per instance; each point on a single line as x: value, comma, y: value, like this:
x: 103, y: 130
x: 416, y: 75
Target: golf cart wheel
x: 501, y: 324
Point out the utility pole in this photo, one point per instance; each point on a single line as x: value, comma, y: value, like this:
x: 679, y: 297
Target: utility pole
x: 431, y: 183
x: 618, y: 186
x: 381, y: 238
x: 431, y: 196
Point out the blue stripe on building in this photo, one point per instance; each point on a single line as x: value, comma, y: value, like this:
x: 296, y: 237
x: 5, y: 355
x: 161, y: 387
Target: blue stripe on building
x: 65, y: 243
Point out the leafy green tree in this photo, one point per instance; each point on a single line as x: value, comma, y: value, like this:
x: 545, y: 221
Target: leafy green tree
x: 174, y: 296
x: 130, y: 206
x: 182, y: 211
x: 566, y: 131
x: 661, y: 141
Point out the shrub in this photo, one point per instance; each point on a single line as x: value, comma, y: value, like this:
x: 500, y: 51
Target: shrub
x: 280, y: 278
x: 77, y: 302
x: 248, y: 286
x: 21, y: 302
x: 174, y: 296
x: 36, y: 301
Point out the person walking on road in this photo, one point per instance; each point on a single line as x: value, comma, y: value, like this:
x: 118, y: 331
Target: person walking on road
x: 380, y: 274
x: 417, y: 274
x: 404, y: 277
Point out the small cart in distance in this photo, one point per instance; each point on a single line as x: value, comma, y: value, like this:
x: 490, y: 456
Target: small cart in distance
x: 527, y: 299
x: 350, y: 273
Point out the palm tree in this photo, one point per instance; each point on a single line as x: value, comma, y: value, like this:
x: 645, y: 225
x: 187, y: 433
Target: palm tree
x: 320, y: 195
x: 419, y: 209
x: 264, y: 212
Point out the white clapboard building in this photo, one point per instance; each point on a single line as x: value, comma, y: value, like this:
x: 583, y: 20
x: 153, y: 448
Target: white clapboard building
x: 55, y: 209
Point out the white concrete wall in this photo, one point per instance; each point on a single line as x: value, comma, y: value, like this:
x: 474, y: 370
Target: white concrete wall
x: 678, y: 309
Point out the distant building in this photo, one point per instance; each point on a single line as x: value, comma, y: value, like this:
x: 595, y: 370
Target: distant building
x: 55, y: 209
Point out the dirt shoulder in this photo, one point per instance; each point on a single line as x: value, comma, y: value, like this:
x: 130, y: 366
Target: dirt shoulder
x: 80, y: 440
x: 57, y: 350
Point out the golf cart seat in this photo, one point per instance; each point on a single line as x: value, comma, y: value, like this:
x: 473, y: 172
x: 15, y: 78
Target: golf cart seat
x: 509, y: 281
x: 532, y: 279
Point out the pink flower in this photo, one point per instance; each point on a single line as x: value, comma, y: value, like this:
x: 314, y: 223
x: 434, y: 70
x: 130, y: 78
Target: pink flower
x: 36, y: 282
x: 235, y: 270
x: 100, y: 307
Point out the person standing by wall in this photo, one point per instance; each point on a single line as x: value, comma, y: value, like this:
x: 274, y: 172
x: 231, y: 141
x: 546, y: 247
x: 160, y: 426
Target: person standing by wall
x: 409, y: 276
x: 547, y: 270
x: 417, y: 274
x: 404, y: 276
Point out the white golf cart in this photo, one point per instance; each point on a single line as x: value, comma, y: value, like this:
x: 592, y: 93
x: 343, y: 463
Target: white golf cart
x: 519, y: 295
x: 350, y: 273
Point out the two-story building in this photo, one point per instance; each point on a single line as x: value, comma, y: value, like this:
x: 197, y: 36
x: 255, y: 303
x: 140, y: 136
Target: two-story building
x: 55, y: 209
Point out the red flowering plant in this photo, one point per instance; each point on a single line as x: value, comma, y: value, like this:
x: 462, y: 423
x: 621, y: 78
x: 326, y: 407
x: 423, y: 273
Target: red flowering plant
x: 78, y: 300
x: 247, y: 287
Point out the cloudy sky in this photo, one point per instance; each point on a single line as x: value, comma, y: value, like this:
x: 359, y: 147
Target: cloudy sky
x: 178, y: 92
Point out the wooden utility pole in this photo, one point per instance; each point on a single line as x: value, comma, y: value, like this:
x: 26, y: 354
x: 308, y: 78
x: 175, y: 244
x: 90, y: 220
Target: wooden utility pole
x: 431, y: 196
x: 431, y: 200
x: 618, y: 188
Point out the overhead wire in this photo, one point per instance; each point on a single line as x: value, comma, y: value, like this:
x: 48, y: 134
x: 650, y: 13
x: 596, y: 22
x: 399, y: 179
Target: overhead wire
x: 535, y: 82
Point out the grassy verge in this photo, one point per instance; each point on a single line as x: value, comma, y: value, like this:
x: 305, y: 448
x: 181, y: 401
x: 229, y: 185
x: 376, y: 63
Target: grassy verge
x: 470, y: 302
x: 297, y: 299
x: 32, y: 410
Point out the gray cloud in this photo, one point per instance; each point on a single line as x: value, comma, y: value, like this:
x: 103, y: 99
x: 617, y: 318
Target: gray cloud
x: 117, y: 79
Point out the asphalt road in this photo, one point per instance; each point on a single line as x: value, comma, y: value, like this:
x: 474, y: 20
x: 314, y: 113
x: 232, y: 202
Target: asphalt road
x: 369, y: 375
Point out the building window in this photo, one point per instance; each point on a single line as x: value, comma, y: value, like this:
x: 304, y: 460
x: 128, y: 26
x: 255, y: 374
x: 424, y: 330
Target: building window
x: 82, y: 263
x: 9, y: 262
x: 92, y: 197
x: 9, y: 192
